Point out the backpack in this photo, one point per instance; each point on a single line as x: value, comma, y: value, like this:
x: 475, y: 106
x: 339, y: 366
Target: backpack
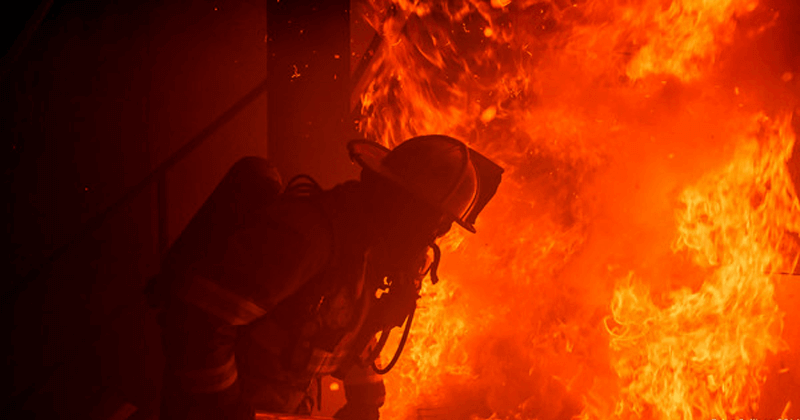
x: 251, y: 183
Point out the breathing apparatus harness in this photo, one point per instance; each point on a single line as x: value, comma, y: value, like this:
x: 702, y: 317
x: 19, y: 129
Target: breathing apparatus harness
x: 398, y: 293
x: 408, y: 320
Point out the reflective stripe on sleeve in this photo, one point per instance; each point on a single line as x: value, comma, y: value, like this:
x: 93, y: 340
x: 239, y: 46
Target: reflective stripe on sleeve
x: 209, y: 380
x: 218, y: 301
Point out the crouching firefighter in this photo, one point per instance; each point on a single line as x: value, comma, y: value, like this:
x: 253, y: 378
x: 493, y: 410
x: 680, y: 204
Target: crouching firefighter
x: 269, y: 289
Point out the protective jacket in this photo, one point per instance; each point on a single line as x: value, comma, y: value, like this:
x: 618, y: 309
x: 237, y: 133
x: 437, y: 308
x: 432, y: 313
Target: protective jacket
x: 267, y: 292
x: 260, y: 308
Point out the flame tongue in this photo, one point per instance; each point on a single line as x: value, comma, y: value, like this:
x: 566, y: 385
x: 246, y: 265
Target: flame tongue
x: 625, y: 267
x: 702, y: 354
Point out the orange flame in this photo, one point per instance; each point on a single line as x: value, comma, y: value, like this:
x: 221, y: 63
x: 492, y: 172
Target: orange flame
x: 701, y: 353
x: 575, y: 298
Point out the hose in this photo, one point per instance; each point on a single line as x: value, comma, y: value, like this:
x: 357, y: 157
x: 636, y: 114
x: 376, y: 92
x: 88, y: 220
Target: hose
x: 403, y: 339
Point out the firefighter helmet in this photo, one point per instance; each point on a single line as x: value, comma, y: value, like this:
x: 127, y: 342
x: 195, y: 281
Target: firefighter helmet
x: 438, y: 169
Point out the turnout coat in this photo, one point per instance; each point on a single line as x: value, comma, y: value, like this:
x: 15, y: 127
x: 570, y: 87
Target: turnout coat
x: 264, y: 295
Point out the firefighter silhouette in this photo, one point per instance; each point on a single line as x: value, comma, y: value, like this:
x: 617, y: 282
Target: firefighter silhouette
x: 269, y: 288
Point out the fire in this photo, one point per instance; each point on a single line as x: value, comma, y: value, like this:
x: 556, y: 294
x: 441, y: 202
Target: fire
x: 684, y: 37
x: 701, y: 353
x: 627, y: 266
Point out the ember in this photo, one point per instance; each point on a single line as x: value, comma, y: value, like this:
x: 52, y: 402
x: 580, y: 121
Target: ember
x: 628, y: 266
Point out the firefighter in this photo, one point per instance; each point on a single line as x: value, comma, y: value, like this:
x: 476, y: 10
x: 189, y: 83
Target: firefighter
x: 269, y: 289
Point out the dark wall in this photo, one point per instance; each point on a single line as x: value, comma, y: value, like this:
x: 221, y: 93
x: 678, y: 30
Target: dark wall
x: 309, y: 90
x: 104, y: 93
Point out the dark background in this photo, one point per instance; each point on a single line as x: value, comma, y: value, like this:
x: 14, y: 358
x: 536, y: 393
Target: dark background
x: 96, y: 95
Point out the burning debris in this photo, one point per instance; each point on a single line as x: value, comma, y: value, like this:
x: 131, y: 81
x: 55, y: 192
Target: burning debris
x: 630, y: 266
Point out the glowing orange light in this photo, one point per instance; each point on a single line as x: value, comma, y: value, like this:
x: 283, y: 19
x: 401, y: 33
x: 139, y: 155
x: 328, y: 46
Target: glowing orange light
x: 626, y: 267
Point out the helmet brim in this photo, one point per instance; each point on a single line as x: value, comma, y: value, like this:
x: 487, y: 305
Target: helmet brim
x: 369, y: 155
